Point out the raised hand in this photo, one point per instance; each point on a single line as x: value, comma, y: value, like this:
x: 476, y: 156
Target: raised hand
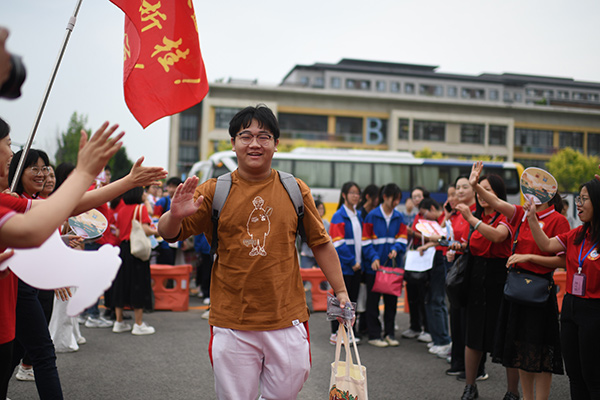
x: 146, y: 176
x: 530, y: 209
x: 464, y: 210
x: 95, y: 153
x: 475, y: 173
x: 183, y: 203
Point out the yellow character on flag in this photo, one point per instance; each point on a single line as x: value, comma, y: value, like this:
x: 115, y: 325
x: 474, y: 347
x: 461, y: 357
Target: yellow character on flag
x: 170, y: 58
x: 149, y: 12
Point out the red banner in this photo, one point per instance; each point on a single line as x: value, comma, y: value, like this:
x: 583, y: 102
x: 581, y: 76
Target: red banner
x: 163, y: 71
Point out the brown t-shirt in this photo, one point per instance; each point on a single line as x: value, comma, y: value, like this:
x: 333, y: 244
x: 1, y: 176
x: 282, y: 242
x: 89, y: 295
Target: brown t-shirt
x: 256, y: 283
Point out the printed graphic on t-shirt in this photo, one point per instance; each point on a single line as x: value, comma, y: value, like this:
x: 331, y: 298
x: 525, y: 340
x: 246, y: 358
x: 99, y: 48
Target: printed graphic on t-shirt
x: 258, y: 227
x: 594, y: 255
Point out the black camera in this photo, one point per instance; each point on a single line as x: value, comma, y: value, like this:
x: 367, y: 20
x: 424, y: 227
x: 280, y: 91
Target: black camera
x: 12, y: 87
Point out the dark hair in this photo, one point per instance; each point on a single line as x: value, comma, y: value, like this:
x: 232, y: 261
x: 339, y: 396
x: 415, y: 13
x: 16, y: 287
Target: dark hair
x: 133, y: 196
x: 345, y: 189
x: 423, y: 190
x: 557, y: 202
x: 174, y: 181
x: 261, y: 113
x: 459, y: 178
x: 428, y: 202
x: 4, y: 129
x: 390, y: 190
x: 593, y: 188
x: 319, y: 203
x: 62, y: 172
x: 498, y: 187
x: 33, y: 156
x: 372, y: 191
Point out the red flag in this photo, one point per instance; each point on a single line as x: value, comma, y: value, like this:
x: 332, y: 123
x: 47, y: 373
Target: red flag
x: 163, y: 71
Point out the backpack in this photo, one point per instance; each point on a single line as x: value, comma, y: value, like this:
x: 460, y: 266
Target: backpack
x: 223, y: 187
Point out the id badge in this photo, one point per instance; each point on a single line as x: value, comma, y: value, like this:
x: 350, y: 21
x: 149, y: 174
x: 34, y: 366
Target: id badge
x: 578, y: 287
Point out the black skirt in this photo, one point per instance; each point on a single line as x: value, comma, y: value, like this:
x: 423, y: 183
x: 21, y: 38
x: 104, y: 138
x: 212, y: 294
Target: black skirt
x: 528, y: 337
x: 486, y: 286
x: 132, y: 286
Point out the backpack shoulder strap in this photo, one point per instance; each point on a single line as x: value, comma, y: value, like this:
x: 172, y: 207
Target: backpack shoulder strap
x: 221, y: 192
x: 291, y: 186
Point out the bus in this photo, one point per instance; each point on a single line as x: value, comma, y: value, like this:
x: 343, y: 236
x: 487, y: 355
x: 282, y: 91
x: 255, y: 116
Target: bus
x: 325, y: 170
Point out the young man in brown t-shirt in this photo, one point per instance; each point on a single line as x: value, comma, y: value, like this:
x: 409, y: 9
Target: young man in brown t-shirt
x: 258, y: 317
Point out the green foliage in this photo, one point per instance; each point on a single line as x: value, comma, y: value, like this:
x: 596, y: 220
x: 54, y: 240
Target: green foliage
x: 120, y: 164
x: 427, y: 153
x: 571, y: 169
x: 68, y: 142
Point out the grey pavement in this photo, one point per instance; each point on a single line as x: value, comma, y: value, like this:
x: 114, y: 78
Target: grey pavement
x: 173, y: 364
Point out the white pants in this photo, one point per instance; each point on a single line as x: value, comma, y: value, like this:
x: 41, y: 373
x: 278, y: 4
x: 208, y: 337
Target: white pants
x: 276, y: 363
x: 64, y: 330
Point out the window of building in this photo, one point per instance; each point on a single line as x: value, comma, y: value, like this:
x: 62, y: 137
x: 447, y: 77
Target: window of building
x: 573, y: 140
x: 319, y: 82
x: 188, y: 154
x: 188, y: 127
x: 585, y: 96
x: 395, y: 87
x: 223, y: 116
x: 494, y: 94
x: 433, y: 131
x: 472, y: 93
x: 303, y: 126
x: 304, y: 80
x: 563, y: 94
x: 507, y: 96
x: 536, y: 141
x: 364, y: 85
x: 403, y: 129
x: 593, y: 146
x: 360, y: 84
x: 336, y: 82
x: 381, y: 86
x: 497, y: 135
x: 452, y: 91
x: 431, y: 90
x: 472, y: 133
x: 350, y: 128
x: 518, y: 97
x: 409, y: 88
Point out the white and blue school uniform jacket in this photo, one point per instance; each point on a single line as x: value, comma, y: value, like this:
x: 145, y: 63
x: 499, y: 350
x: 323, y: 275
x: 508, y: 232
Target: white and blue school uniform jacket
x: 379, y: 238
x: 344, y: 240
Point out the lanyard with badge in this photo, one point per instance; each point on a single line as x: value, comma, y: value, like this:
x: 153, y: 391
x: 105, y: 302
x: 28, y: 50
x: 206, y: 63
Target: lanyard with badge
x: 578, y: 287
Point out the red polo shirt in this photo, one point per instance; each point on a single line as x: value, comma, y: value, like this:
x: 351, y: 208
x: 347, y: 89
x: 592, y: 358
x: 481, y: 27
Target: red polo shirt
x: 591, y: 263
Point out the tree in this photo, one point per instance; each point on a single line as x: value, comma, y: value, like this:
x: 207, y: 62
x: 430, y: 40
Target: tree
x: 68, y: 147
x: 571, y: 169
x: 427, y: 153
x: 68, y: 142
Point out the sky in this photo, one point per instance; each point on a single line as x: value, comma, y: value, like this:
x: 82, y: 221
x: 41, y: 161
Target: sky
x: 265, y: 39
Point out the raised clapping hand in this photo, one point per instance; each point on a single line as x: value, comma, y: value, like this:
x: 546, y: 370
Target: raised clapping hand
x: 475, y: 173
x: 182, y: 203
x: 146, y: 176
x: 95, y: 152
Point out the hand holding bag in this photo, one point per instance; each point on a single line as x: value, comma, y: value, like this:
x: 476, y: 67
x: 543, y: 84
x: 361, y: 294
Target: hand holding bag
x: 140, y: 243
x: 348, y: 380
x: 389, y: 280
x: 457, y: 279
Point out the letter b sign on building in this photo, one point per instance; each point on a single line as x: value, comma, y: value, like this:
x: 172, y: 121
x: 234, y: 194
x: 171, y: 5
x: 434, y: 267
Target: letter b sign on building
x: 376, y: 131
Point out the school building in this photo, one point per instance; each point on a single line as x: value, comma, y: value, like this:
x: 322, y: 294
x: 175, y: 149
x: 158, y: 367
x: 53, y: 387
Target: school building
x: 393, y: 106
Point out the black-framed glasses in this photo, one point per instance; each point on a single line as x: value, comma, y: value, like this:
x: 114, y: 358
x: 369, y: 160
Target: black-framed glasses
x: 35, y: 170
x: 263, y: 139
x: 580, y: 200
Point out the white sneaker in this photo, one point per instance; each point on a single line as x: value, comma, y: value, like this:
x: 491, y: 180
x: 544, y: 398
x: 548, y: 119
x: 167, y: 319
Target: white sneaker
x: 98, y: 323
x: 378, y: 343
x: 206, y: 301
x: 142, y: 329
x: 333, y: 339
x: 81, y: 319
x: 25, y: 374
x: 391, y: 341
x: 429, y: 345
x: 442, y: 350
x: 410, y: 334
x: 81, y: 340
x: 120, y: 327
x: 424, y: 337
x: 205, y: 314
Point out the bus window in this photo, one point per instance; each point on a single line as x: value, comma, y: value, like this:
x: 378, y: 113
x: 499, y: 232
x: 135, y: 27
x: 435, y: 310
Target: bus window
x: 360, y: 173
x: 314, y: 173
x: 282, y: 165
x: 393, y: 173
x: 426, y: 176
x: 509, y: 176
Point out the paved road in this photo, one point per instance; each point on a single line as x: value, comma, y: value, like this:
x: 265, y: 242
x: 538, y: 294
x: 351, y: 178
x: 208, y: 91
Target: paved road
x: 173, y: 364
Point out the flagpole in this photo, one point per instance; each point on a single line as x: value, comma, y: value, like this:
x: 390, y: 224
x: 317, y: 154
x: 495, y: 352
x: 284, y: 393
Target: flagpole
x: 70, y: 26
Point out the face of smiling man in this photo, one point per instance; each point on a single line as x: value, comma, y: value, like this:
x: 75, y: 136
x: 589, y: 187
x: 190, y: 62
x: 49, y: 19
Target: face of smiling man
x: 254, y: 147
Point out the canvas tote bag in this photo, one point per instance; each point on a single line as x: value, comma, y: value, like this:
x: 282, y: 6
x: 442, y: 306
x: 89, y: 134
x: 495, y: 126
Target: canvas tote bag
x: 348, y: 380
x: 140, y: 243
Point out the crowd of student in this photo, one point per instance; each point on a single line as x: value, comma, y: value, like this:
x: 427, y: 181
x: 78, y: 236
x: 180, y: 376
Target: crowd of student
x: 530, y: 341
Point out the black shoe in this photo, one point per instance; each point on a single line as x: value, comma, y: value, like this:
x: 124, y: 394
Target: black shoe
x: 511, y: 396
x: 470, y: 393
x: 482, y: 376
x: 454, y: 372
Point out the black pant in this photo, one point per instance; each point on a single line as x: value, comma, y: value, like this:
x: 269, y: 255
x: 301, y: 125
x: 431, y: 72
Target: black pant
x: 580, y: 326
x: 166, y: 255
x: 390, y: 303
x: 352, y: 284
x: 46, y: 298
x: 415, y: 294
x: 32, y: 336
x: 203, y: 271
x: 6, y: 351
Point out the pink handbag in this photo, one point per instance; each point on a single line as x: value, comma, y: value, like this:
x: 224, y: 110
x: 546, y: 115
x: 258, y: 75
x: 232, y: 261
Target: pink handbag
x: 388, y: 280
